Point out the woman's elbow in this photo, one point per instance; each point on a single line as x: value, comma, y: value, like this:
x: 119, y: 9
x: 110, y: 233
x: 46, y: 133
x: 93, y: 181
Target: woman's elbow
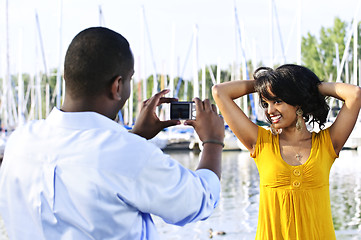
x: 357, y: 95
x: 216, y: 91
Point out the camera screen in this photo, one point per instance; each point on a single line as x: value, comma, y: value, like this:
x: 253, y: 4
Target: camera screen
x: 180, y: 110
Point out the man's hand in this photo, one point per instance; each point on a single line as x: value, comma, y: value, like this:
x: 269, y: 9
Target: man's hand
x: 208, y: 124
x: 148, y: 124
x: 210, y: 129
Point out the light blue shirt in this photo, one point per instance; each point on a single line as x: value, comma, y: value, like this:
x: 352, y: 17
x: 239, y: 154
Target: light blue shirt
x: 83, y: 176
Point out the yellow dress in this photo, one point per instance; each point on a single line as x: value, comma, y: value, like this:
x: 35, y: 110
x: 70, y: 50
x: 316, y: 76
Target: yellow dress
x: 294, y: 200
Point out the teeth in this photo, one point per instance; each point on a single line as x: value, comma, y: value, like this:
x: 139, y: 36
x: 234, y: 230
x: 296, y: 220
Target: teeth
x: 275, y: 118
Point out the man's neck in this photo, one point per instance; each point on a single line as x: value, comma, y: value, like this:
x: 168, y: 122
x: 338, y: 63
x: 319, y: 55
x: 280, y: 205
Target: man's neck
x: 91, y: 105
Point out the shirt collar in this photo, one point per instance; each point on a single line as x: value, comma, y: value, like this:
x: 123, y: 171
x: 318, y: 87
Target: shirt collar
x: 82, y: 120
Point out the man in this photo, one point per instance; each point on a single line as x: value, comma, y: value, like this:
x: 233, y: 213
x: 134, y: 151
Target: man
x: 80, y: 175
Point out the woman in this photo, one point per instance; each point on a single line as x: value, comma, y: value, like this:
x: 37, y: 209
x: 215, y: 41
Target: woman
x: 293, y: 163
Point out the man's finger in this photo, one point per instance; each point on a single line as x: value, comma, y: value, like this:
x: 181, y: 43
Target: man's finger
x: 199, y: 104
x: 207, y: 105
x: 214, y: 108
x: 145, y: 102
x: 153, y: 101
x: 170, y: 123
x: 167, y: 100
x: 190, y: 122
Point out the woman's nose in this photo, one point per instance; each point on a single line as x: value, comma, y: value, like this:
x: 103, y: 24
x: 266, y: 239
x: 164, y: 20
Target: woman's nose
x: 270, y: 108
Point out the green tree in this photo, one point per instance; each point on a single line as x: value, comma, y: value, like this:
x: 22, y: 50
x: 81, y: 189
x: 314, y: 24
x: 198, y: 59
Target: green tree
x: 320, y: 56
x: 329, y: 37
x: 358, y: 43
x: 311, y: 56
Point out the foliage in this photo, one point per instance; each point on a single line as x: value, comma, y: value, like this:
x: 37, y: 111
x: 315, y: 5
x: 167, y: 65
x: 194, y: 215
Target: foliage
x: 320, y: 55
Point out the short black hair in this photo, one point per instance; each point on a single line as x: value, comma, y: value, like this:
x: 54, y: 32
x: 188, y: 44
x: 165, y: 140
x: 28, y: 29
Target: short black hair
x: 295, y: 85
x: 95, y: 57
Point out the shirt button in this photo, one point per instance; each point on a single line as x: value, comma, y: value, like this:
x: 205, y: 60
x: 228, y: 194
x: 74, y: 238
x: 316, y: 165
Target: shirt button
x: 297, y: 172
x: 296, y: 183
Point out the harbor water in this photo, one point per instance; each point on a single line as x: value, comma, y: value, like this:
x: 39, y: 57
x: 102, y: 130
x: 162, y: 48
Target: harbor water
x: 237, y: 212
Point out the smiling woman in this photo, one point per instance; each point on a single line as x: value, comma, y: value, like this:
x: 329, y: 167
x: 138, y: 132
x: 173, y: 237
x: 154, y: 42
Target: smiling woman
x: 296, y: 86
x: 293, y: 163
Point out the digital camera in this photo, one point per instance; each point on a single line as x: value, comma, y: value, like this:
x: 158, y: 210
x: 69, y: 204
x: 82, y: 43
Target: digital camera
x: 182, y: 110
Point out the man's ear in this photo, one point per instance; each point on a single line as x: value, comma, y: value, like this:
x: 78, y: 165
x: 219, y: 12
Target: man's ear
x: 116, y: 88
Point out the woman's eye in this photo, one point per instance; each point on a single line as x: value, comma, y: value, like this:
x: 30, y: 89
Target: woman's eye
x: 278, y: 101
x: 264, y: 104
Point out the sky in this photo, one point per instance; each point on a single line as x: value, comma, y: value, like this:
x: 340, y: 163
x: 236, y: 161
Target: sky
x: 214, y: 19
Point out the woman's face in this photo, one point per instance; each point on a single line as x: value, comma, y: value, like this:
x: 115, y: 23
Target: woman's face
x: 279, y: 113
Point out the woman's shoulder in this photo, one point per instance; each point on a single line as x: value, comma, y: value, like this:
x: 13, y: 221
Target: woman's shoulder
x: 322, y: 135
x: 266, y: 132
x: 322, y: 140
x: 265, y: 139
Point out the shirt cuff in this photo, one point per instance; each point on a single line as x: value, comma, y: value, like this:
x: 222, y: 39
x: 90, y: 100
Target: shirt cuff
x: 214, y: 184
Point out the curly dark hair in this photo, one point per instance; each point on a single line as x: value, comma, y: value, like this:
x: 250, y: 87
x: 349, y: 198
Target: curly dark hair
x: 295, y: 85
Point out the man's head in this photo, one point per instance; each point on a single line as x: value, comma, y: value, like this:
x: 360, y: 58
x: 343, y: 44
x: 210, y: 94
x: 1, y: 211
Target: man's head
x: 96, y: 58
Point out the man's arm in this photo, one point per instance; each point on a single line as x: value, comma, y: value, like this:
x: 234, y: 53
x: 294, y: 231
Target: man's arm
x: 171, y: 186
x: 210, y: 129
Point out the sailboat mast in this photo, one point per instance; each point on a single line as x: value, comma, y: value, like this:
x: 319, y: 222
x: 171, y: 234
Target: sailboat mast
x: 195, y: 63
x: 204, y: 81
x: 38, y: 94
x: 218, y: 75
x: 271, y: 31
x: 41, y: 44
x: 5, y: 119
x: 355, y: 41
x: 235, y: 75
x: 283, y: 60
x: 20, y: 85
x: 142, y: 47
x: 244, y: 66
x: 101, y: 17
x: 172, y: 63
x: 58, y: 73
x: 347, y: 45
x: 299, y: 37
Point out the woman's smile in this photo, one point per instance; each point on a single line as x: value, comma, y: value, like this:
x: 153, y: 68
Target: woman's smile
x: 275, y: 118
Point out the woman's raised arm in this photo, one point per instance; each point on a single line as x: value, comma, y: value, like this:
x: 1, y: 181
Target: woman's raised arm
x: 347, y: 117
x: 224, y: 94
